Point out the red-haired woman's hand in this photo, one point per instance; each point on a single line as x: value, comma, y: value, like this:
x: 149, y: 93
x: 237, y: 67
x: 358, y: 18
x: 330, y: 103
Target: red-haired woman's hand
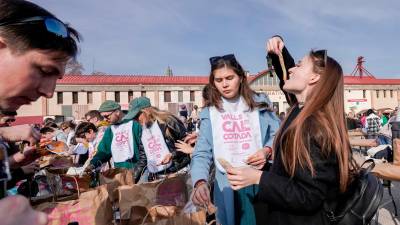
x: 243, y: 177
x: 275, y: 45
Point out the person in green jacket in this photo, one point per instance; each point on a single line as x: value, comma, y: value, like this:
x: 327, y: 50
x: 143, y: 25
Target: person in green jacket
x: 122, y: 143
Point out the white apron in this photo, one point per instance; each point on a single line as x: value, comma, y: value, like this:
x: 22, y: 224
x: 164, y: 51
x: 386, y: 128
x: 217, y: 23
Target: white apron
x: 236, y: 133
x: 122, y: 142
x: 155, y: 147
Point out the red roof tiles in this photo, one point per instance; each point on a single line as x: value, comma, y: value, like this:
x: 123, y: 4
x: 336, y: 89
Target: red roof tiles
x: 27, y: 120
x: 354, y: 80
x: 132, y: 79
x: 188, y: 80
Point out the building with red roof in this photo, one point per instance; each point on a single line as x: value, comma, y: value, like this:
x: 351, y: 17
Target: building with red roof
x: 76, y: 94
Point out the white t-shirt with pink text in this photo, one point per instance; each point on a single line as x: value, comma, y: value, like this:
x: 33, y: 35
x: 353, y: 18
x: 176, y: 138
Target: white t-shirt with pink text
x: 236, y: 132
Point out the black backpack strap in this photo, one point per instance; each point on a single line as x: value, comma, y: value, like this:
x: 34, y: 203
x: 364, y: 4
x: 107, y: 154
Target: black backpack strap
x: 370, y: 167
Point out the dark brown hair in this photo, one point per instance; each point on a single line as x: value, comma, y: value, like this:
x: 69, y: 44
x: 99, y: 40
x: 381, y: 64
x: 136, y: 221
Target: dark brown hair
x: 68, y: 124
x: 244, y: 90
x: 94, y: 114
x: 24, y: 37
x: 84, y: 127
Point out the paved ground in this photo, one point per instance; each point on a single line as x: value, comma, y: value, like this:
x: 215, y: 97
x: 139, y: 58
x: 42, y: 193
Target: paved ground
x: 386, y: 213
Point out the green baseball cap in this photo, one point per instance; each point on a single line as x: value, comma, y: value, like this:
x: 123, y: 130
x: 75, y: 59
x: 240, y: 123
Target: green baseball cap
x: 135, y: 106
x: 109, y: 105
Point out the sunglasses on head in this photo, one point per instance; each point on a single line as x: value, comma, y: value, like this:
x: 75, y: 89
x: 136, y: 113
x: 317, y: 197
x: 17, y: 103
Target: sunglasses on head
x: 323, y: 53
x: 230, y: 57
x: 52, y: 24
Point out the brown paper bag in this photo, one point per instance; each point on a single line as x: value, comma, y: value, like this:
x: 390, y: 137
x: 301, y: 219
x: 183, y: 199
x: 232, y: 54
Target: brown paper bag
x: 172, y: 192
x: 92, y: 207
x: 136, y: 201
x: 169, y: 215
x: 114, y: 178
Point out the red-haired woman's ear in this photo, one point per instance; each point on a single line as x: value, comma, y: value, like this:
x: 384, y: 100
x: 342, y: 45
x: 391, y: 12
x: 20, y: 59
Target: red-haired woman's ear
x: 314, y: 78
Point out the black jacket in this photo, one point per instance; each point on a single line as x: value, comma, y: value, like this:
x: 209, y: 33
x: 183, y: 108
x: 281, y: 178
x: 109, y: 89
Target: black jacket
x: 296, y: 200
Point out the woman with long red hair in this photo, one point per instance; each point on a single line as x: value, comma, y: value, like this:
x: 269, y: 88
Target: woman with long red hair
x: 312, y: 155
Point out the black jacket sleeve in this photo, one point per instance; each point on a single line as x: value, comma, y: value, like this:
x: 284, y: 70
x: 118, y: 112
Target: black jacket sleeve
x: 141, y: 164
x: 289, y: 63
x: 302, y: 193
x: 178, y: 132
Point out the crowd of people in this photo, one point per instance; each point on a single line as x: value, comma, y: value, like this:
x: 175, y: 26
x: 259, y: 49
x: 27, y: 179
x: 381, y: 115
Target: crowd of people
x: 370, y: 121
x: 256, y: 167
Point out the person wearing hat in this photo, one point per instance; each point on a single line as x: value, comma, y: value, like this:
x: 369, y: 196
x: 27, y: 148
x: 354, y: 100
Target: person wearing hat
x: 121, y: 141
x: 160, y: 131
x: 111, y: 111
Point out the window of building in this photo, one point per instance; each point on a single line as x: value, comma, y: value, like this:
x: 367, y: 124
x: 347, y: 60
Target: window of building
x: 377, y: 93
x: 384, y: 93
x: 89, y: 96
x: 192, y: 96
x: 130, y: 96
x: 391, y: 93
x: 117, y: 96
x: 180, y: 96
x: 364, y: 94
x: 74, y: 97
x: 59, y: 98
x: 143, y: 94
x: 167, y: 96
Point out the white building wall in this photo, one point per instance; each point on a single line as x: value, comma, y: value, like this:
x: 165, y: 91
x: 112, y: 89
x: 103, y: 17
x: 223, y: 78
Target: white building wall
x: 186, y: 96
x: 52, y: 107
x: 96, y: 100
x: 110, y: 95
x: 355, y: 101
x: 67, y: 98
x: 35, y: 108
x: 82, y: 98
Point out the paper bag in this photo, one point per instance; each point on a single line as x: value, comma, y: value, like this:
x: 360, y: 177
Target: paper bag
x: 91, y: 208
x: 169, y: 215
x: 136, y: 201
x: 113, y: 178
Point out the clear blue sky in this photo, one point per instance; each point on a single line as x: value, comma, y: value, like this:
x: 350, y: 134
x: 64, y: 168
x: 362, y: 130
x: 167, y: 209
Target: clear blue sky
x: 146, y: 36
